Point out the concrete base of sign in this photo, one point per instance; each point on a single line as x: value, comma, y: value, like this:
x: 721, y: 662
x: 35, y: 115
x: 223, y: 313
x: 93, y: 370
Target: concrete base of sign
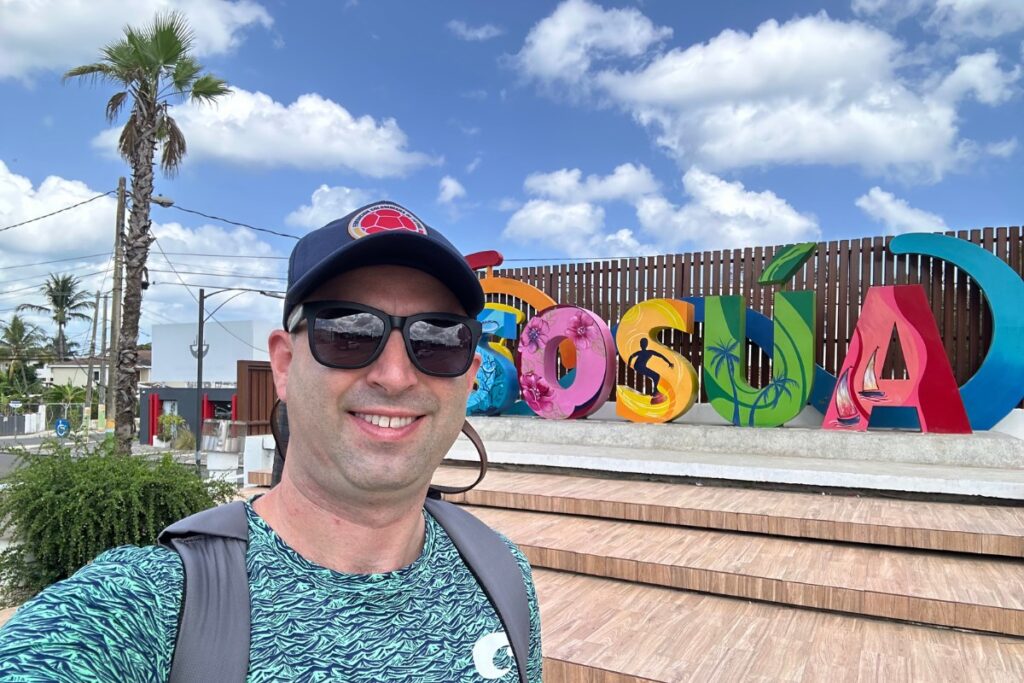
x: 983, y: 464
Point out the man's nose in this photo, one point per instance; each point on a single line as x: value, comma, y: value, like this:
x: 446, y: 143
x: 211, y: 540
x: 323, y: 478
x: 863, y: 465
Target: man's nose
x: 393, y: 370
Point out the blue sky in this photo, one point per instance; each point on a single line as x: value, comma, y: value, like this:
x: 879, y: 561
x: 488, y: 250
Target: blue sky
x: 542, y: 130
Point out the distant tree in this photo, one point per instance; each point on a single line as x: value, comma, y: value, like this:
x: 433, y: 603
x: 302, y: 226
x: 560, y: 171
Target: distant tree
x: 20, y: 344
x: 151, y: 67
x: 65, y: 301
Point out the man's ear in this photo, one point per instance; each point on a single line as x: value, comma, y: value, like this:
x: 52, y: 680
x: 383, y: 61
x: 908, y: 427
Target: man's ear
x: 279, y: 347
x: 471, y: 373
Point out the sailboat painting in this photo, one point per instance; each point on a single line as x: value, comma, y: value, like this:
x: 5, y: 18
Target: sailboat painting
x: 869, y: 381
x: 929, y: 386
x: 846, y: 412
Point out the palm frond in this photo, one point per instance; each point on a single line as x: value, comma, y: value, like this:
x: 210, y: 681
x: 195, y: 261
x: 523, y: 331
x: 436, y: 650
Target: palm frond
x: 169, y: 38
x: 208, y: 87
x: 185, y: 72
x: 33, y: 307
x: 130, y: 135
x: 115, y: 104
x: 93, y: 72
x: 174, y: 146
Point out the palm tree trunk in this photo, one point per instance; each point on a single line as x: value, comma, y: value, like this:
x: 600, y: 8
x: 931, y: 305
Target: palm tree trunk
x: 136, y: 248
x: 735, y: 394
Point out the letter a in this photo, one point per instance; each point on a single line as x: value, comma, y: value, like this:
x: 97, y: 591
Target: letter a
x: 931, y: 387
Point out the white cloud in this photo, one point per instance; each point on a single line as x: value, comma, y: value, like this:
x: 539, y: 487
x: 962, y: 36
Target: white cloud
x: 1003, y: 149
x: 449, y: 190
x: 562, y: 47
x: 812, y: 90
x: 313, y: 132
x: 896, y: 215
x: 980, y: 18
x: 575, y: 229
x: 473, y: 165
x: 723, y: 214
x: 327, y: 204
x: 42, y: 35
x: 473, y: 33
x: 980, y: 75
x: 84, y: 236
x: 952, y: 18
x: 627, y: 182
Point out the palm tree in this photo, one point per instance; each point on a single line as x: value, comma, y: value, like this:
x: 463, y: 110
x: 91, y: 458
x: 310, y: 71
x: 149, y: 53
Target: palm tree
x: 64, y: 303
x: 726, y: 353
x: 151, y: 67
x: 20, y: 343
x: 778, y: 386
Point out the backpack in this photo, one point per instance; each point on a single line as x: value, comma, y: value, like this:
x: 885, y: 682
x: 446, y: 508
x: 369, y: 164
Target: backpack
x: 214, y: 621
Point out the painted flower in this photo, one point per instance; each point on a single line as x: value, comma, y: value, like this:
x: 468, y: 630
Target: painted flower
x: 535, y: 335
x: 536, y: 392
x: 581, y: 330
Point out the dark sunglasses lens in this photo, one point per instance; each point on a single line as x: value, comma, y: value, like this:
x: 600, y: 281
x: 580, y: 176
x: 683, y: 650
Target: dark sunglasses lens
x: 441, y: 347
x: 344, y: 338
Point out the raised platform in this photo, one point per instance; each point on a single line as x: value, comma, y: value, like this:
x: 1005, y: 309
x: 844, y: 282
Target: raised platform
x: 606, y: 631
x: 984, y: 464
x: 656, y: 581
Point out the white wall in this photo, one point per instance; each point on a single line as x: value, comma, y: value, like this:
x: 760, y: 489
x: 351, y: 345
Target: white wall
x: 241, y: 340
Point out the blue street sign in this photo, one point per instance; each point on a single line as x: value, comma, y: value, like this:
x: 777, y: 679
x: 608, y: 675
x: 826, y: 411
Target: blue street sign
x: 62, y: 427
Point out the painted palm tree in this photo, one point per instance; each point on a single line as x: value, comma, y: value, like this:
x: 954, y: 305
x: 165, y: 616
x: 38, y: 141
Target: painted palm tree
x: 152, y: 67
x: 20, y: 344
x: 723, y: 353
x: 65, y: 302
x: 776, y: 388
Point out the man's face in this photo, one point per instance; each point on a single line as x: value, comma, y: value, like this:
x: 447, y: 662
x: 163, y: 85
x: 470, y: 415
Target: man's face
x: 335, y: 445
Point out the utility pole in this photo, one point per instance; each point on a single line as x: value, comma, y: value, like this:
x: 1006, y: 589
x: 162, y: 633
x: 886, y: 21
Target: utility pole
x: 104, y: 365
x: 115, y: 313
x: 199, y: 375
x: 87, y: 410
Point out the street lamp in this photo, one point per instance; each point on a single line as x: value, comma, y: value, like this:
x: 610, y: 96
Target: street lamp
x: 201, y: 349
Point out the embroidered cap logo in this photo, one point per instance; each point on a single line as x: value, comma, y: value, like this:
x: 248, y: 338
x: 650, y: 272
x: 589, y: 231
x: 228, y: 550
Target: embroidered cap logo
x: 384, y: 217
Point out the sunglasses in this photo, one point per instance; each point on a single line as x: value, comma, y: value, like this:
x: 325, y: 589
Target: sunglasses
x: 348, y: 336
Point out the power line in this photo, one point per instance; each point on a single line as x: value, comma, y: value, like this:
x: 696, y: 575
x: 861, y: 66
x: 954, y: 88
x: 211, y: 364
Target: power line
x: 232, y: 256
x: 59, y: 260
x: 196, y: 272
x: 185, y: 284
x: 40, y: 284
x: 231, y: 222
x: 268, y: 292
x: 66, y: 270
x: 54, y: 213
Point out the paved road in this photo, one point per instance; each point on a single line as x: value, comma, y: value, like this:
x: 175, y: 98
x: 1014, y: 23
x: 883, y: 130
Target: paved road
x: 7, y: 459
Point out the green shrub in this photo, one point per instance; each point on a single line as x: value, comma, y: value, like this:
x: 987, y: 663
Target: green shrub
x: 185, y: 440
x: 169, y: 426
x: 61, y: 509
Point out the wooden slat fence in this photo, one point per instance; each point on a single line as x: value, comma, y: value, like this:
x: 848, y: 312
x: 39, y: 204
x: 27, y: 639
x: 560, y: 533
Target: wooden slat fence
x: 840, y: 272
x: 256, y: 395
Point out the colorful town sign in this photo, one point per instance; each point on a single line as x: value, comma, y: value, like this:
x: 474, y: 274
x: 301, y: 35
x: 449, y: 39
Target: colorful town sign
x: 529, y: 382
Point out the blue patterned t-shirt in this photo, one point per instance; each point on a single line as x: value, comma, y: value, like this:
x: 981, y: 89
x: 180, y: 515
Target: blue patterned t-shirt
x: 117, y: 618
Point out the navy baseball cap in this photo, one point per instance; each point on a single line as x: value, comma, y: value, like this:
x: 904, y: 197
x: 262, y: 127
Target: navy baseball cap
x: 382, y: 233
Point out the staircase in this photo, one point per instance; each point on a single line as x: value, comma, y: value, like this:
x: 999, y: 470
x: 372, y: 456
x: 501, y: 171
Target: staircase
x: 655, y: 581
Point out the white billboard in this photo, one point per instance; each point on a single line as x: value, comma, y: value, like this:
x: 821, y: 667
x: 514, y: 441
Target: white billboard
x: 175, y: 349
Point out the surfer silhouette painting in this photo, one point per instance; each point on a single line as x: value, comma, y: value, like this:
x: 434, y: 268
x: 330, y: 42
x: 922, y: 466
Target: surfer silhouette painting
x: 640, y: 366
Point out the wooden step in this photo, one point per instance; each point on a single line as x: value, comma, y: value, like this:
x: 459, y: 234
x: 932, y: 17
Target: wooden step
x: 983, y: 594
x: 982, y: 529
x: 606, y: 631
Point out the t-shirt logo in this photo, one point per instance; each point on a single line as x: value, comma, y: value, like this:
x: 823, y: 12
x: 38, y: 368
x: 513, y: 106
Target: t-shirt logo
x: 384, y: 217
x: 484, y: 652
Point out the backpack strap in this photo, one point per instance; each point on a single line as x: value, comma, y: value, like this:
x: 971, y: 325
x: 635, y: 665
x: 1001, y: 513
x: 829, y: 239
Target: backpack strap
x: 495, y: 569
x: 213, y: 626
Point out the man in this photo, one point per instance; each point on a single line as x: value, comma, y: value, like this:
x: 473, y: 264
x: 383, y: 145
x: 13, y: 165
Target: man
x: 350, y: 579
